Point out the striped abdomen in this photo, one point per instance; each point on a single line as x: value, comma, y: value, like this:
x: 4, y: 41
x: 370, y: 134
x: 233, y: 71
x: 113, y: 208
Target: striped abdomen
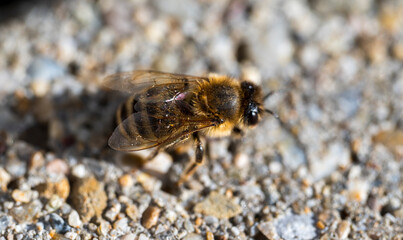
x: 155, y: 114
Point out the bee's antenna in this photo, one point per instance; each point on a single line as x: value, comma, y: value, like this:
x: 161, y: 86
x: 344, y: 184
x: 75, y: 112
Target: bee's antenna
x: 268, y: 95
x: 268, y: 110
x: 272, y: 113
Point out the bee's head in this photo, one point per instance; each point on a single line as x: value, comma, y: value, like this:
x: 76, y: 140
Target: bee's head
x: 252, y: 103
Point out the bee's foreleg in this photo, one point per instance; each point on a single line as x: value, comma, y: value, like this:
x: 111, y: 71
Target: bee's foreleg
x: 237, y: 132
x: 199, y: 153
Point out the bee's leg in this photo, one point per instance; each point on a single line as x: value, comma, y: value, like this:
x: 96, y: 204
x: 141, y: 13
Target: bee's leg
x: 237, y: 132
x: 154, y: 154
x: 198, y: 161
x: 236, y: 141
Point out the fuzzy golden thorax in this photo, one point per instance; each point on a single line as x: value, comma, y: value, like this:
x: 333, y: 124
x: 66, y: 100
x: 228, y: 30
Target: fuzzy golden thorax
x: 231, y: 102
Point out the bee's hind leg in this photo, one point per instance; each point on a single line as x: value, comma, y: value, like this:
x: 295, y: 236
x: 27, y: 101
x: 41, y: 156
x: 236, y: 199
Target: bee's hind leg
x: 153, y: 154
x: 199, y: 153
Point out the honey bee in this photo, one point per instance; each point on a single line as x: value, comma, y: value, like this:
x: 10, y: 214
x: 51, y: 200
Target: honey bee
x: 165, y: 109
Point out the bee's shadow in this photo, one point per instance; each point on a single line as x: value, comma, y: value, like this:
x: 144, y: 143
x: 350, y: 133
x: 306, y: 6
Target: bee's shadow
x: 76, y: 123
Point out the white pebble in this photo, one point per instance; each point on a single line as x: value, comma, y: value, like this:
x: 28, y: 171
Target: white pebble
x: 74, y: 219
x: 71, y: 235
x: 5, y: 178
x: 113, y: 212
x: 121, y: 224
x: 79, y: 171
x: 40, y: 87
x: 143, y: 237
x: 235, y: 231
x: 55, y: 202
x: 160, y: 164
x: 129, y: 236
x: 275, y: 167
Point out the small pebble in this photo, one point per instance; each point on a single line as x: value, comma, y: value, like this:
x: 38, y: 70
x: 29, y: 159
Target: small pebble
x: 44, y: 69
x: 320, y: 225
x: 8, y: 204
x: 182, y: 233
x: 132, y: 212
x: 392, y: 139
x: 40, y: 88
x: 112, y: 212
x: 124, y: 199
x: 193, y: 236
x: 5, y: 178
x: 39, y: 226
x: 295, y: 227
x: 268, y: 230
x: 398, y: 50
x: 242, y: 161
x: 390, y: 18
x: 188, y: 226
x: 251, y: 73
x: 54, y: 203
x: 235, y: 231
x: 218, y: 205
x: 211, y: 220
x: 159, y: 165
x: 21, y: 196
x: 88, y: 198
x: 275, y: 167
x: 142, y: 236
x: 252, y: 191
x: 150, y: 217
x: 126, y: 180
x: 71, y: 235
x: 60, y: 188
x: 159, y: 229
x: 209, y: 236
x: 343, y: 229
x: 130, y: 236
x: 358, y: 190
x: 16, y: 168
x: 170, y: 215
x: 36, y: 161
x: 4, y: 222
x: 57, y: 166
x: 74, y: 219
x: 121, y: 224
x: 79, y: 171
x: 149, y: 183
x: 104, y: 228
x: 58, y: 223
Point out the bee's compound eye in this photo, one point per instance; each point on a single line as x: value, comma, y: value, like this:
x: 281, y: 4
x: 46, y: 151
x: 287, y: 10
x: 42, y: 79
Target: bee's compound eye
x: 253, y: 118
x: 252, y: 114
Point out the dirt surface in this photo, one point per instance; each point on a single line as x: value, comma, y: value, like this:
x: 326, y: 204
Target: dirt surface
x: 329, y: 168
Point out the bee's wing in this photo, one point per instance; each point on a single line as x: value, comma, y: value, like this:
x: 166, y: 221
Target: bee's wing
x: 133, y: 82
x: 161, y: 113
x: 134, y: 133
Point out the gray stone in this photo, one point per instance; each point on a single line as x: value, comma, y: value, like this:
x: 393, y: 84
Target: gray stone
x: 291, y: 227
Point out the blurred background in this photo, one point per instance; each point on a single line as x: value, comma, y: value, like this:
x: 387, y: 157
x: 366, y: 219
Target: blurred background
x: 337, y: 66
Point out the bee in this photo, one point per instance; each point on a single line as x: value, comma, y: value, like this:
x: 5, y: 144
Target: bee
x: 166, y: 108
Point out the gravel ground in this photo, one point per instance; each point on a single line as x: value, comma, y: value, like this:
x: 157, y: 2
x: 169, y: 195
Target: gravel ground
x: 330, y: 168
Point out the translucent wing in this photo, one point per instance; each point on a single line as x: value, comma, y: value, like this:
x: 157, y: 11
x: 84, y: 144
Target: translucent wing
x: 159, y: 112
x: 136, y: 81
x: 141, y: 131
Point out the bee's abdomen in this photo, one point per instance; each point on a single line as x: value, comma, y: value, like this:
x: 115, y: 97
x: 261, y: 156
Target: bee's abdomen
x: 124, y: 111
x: 149, y: 117
x: 137, y: 120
